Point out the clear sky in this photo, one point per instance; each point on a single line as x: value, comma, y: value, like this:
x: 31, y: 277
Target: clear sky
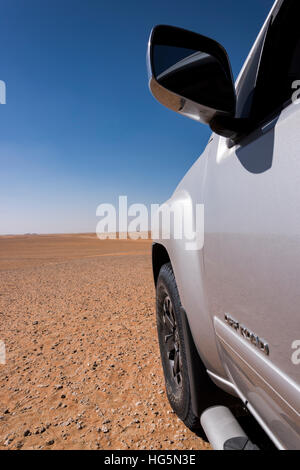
x: 80, y: 127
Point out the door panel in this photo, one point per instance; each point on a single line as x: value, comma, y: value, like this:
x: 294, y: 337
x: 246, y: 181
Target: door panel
x: 252, y: 259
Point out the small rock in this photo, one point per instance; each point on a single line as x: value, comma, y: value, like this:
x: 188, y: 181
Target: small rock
x: 40, y: 430
x: 8, y: 441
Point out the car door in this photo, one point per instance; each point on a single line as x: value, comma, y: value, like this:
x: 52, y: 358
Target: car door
x: 252, y: 239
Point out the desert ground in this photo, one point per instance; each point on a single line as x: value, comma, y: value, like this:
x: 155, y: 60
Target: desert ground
x: 82, y: 371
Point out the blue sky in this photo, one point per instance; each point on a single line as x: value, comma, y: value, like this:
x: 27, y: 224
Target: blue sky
x: 80, y: 126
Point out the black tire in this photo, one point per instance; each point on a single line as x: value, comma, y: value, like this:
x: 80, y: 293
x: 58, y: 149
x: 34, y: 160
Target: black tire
x: 172, y: 347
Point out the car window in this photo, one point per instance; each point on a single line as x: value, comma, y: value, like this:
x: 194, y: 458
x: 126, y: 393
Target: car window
x: 246, y: 82
x: 280, y: 63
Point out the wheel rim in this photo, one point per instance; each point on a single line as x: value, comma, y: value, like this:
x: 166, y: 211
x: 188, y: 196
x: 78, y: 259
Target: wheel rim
x: 171, y: 340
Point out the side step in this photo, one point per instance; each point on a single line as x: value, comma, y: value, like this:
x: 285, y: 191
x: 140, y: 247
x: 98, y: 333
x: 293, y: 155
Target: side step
x: 223, y: 431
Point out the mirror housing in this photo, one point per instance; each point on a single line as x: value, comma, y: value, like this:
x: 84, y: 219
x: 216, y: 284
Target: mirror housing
x: 191, y: 74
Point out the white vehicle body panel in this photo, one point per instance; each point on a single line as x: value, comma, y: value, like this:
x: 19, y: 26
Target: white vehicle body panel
x: 249, y: 266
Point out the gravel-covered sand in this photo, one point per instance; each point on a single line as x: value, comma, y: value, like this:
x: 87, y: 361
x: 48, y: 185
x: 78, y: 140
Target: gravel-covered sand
x: 77, y: 316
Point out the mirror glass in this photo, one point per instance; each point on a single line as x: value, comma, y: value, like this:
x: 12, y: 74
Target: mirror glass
x: 166, y: 57
x: 192, y: 74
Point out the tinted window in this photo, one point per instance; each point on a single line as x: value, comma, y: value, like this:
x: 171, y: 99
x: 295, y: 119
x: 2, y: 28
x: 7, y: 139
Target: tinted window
x: 280, y: 62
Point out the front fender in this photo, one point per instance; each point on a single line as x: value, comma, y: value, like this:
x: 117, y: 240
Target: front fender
x: 186, y: 257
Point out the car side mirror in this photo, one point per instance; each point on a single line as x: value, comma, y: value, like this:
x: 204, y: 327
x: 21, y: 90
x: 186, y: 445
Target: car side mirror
x: 191, y: 74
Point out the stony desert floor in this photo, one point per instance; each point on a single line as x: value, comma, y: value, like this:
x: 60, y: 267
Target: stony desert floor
x: 82, y: 370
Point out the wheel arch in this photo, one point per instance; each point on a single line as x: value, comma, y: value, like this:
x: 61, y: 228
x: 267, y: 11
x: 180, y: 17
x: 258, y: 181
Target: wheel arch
x: 160, y: 256
x: 198, y: 377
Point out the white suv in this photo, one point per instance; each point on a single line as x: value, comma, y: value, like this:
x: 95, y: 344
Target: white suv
x: 228, y: 314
